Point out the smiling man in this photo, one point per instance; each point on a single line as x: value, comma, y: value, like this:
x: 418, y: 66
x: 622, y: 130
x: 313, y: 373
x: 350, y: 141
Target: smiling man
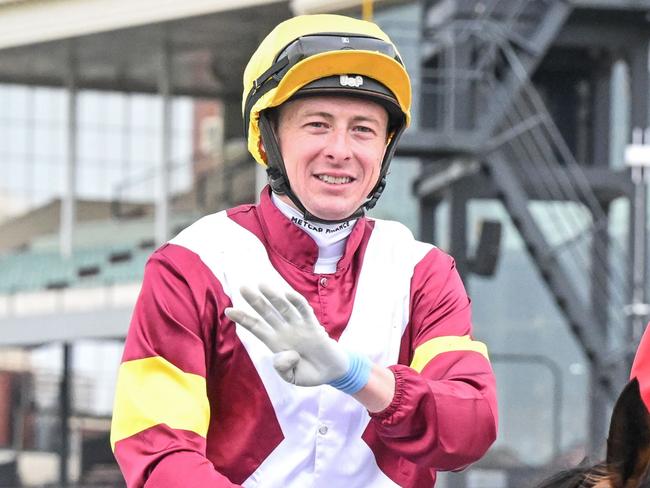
x: 297, y: 342
x: 332, y: 148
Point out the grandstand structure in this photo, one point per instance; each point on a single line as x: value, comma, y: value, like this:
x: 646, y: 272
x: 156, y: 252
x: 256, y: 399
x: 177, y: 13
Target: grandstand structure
x: 120, y: 126
x: 120, y: 123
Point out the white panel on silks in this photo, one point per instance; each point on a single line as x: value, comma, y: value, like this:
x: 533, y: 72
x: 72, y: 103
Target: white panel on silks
x: 381, y: 304
x: 307, y: 458
x: 378, y: 319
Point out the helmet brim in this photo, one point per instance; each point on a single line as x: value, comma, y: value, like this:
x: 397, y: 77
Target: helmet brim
x: 367, y: 89
x: 374, y: 65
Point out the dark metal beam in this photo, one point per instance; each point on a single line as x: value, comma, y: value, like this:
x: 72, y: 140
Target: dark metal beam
x: 606, y: 183
x: 600, y: 301
x: 607, y: 31
x: 427, y: 217
x: 618, y: 5
x: 639, y: 85
x: 65, y: 414
x: 430, y: 143
x: 601, y: 116
x: 458, y: 229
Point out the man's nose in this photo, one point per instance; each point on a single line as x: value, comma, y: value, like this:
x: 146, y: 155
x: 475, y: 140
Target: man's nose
x: 338, y: 146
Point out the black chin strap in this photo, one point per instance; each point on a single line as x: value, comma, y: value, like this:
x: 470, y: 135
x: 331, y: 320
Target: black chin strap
x: 279, y: 182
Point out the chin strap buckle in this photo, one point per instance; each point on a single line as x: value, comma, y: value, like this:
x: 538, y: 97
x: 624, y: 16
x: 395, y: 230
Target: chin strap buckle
x: 277, y: 181
x: 376, y: 194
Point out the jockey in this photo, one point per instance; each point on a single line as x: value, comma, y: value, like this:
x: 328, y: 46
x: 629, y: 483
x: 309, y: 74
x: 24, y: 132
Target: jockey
x: 298, y: 342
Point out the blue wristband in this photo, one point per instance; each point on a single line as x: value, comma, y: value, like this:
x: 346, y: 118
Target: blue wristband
x: 357, y: 376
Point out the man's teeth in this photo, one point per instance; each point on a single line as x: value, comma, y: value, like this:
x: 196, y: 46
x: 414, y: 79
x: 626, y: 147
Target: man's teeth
x: 336, y: 180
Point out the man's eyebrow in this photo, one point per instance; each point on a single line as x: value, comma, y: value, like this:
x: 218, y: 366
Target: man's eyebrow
x: 365, y: 118
x: 327, y: 115
x: 318, y: 113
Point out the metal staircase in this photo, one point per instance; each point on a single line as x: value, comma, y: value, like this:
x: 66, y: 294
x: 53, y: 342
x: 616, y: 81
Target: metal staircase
x: 564, y: 226
x: 480, y: 102
x: 463, y: 43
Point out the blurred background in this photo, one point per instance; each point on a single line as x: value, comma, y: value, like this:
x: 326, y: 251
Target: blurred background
x: 120, y: 124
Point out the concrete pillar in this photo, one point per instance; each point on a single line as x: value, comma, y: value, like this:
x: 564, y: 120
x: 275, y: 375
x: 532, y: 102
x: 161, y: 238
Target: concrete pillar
x: 68, y: 199
x: 163, y: 169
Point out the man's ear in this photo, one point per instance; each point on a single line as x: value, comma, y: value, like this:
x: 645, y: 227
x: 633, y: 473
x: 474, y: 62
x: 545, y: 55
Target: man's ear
x: 628, y: 445
x: 262, y: 150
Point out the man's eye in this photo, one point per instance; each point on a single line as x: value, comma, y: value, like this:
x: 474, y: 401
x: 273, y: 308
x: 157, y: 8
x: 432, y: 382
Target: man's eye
x: 318, y: 125
x: 363, y: 128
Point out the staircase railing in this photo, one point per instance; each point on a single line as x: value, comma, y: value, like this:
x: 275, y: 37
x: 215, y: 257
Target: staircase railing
x: 477, y: 81
x: 467, y: 51
x: 534, y: 147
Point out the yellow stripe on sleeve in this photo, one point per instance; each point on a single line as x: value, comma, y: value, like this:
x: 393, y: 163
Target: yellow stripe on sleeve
x: 433, y: 347
x: 153, y: 391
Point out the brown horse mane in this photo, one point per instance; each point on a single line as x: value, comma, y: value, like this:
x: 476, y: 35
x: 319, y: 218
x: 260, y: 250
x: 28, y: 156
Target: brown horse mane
x: 591, y: 476
x: 628, y: 450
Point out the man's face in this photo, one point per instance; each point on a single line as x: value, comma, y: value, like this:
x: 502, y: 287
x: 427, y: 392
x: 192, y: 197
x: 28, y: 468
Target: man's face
x: 332, y: 149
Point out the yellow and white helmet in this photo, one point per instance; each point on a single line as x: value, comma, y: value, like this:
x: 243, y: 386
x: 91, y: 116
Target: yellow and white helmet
x: 322, y: 54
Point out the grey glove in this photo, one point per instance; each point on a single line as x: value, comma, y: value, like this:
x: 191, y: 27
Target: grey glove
x: 304, y: 354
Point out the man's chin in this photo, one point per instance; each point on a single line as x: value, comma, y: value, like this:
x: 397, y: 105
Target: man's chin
x: 332, y: 214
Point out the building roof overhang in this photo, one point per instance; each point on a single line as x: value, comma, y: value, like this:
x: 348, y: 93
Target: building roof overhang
x: 119, y: 44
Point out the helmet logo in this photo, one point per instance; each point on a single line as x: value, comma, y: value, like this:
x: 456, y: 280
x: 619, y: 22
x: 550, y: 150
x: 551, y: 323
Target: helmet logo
x: 345, y: 40
x: 352, y: 81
